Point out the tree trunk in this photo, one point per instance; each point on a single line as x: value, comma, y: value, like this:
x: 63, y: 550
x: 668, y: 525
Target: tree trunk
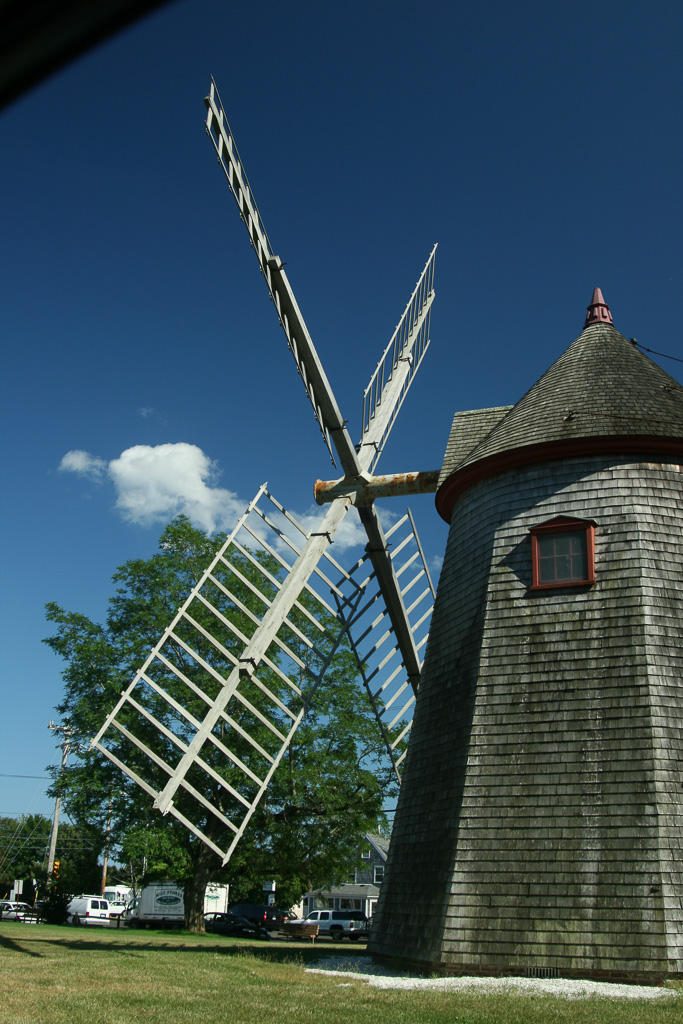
x: 193, y: 893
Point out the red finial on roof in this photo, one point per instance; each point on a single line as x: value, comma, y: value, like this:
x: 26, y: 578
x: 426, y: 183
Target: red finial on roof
x: 598, y: 311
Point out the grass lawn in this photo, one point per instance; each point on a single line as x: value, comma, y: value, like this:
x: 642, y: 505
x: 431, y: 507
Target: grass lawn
x: 51, y: 975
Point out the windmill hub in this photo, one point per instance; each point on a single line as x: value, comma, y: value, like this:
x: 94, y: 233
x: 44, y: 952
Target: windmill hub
x: 364, y: 488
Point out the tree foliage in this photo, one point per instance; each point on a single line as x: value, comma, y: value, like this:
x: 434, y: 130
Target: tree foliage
x: 327, y: 792
x: 24, y: 845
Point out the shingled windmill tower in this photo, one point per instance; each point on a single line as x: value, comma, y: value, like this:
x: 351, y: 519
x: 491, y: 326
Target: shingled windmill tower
x: 540, y: 823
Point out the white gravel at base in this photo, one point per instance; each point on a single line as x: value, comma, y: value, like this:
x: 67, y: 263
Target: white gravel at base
x: 364, y: 969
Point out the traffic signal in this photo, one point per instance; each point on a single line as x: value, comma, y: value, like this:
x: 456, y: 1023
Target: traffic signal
x: 55, y: 869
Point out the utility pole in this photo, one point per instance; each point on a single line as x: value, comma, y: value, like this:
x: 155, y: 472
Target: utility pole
x: 105, y: 859
x: 67, y: 731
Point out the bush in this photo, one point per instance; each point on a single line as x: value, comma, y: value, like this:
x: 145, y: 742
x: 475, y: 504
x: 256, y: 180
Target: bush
x: 54, y: 908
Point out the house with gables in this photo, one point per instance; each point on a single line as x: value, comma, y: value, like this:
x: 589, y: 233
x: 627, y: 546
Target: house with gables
x: 360, y: 892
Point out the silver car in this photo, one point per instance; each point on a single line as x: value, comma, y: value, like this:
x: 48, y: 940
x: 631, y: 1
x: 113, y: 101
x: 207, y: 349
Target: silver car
x: 13, y: 911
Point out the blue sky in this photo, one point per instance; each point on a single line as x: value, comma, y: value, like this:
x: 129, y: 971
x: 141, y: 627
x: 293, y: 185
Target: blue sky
x: 538, y: 143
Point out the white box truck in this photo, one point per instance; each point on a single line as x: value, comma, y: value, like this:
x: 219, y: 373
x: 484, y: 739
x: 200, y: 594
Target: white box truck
x: 162, y: 904
x: 216, y: 898
x: 118, y: 897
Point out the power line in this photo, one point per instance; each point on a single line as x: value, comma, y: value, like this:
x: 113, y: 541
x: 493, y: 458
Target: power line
x: 655, y: 352
x: 5, y: 775
x: 12, y: 848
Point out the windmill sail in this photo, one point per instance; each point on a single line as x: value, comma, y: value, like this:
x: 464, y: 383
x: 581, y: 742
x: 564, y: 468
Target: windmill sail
x: 310, y: 369
x: 408, y: 346
x: 206, y: 714
x: 373, y: 638
x: 208, y: 717
x: 205, y: 722
x: 387, y: 389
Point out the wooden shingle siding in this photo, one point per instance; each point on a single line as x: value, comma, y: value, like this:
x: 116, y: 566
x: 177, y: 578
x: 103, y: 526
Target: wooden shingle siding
x: 539, y: 822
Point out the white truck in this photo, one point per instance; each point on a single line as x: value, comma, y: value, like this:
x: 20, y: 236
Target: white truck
x: 118, y: 897
x: 162, y: 904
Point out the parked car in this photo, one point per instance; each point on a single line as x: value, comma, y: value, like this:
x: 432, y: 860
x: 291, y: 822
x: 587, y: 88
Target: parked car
x: 265, y: 917
x: 231, y: 924
x: 340, y: 924
x: 88, y: 910
x: 10, y: 910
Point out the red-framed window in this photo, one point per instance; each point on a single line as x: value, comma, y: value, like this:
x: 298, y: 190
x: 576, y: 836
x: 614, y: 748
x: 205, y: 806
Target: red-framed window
x: 563, y: 553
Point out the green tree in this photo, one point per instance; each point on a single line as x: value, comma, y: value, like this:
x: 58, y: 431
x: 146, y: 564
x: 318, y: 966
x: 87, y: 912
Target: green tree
x: 330, y: 787
x: 24, y: 844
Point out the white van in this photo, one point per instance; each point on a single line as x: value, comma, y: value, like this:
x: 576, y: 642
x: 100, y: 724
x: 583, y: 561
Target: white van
x: 88, y: 910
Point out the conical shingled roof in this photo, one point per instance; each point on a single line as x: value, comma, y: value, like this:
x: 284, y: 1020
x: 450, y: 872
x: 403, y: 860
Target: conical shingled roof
x: 602, y: 394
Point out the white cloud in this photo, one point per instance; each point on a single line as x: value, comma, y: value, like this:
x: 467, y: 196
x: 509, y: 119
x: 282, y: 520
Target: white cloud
x: 154, y: 484
x: 435, y: 566
x: 83, y: 463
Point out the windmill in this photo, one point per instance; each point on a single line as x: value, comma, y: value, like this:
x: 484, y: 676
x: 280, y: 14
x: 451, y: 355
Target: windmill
x: 214, y: 707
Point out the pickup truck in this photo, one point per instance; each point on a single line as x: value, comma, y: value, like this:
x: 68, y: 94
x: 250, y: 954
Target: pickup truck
x: 340, y: 924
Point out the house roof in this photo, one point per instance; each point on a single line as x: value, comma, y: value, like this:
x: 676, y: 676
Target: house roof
x: 348, y: 890
x: 467, y: 431
x: 380, y: 843
x: 603, y: 393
